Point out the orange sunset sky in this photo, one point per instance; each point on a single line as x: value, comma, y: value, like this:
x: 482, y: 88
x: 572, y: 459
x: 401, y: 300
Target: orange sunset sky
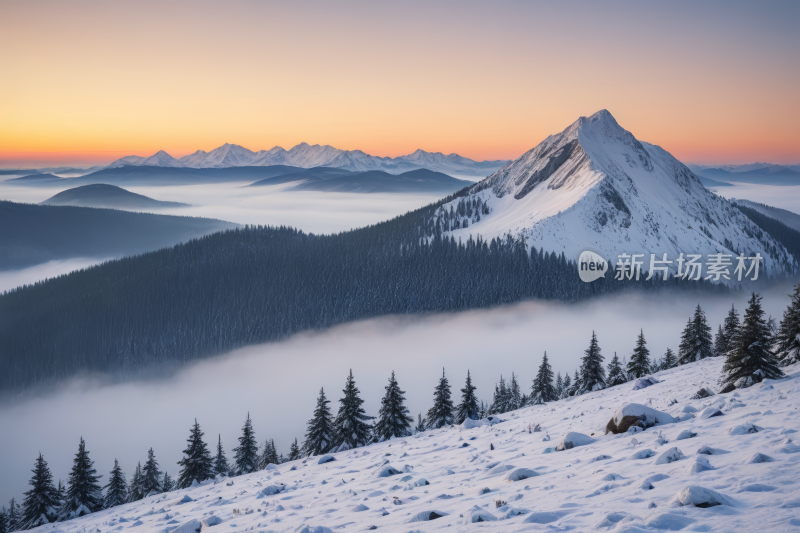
x: 88, y: 82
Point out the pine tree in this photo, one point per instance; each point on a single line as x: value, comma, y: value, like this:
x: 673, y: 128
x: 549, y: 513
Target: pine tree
x: 720, y: 343
x: 669, y: 360
x: 730, y: 327
x: 136, y: 487
x: 576, y: 384
x: 639, y: 365
x: 441, y: 414
x: 787, y: 341
x: 393, y: 418
x: 350, y: 426
x: 220, y: 460
x: 468, y: 408
x: 696, y: 341
x: 751, y: 357
x: 567, y: 385
x: 197, y: 464
x: 500, y: 399
x: 559, y: 388
x: 542, y: 390
x: 245, y: 456
x: 167, y: 485
x: 40, y: 505
x: 484, y: 410
x: 593, y: 375
x: 151, y: 475
x: 3, y: 520
x: 421, y: 424
x: 117, y: 488
x: 319, y: 434
x: 294, y: 451
x: 616, y: 376
x: 84, y: 494
x: 269, y: 455
x: 514, y: 394
x: 14, y: 515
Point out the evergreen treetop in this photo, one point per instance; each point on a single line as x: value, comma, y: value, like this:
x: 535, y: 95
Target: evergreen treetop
x: 117, y: 488
x: 319, y: 432
x: 542, y: 390
x: 196, y: 464
x: 84, y: 494
x: 151, y: 475
x: 787, y: 341
x: 670, y: 361
x: 41, y: 504
x: 593, y: 375
x: 468, y: 408
x: 751, y: 356
x: 220, y: 460
x: 639, y: 365
x: 294, y: 451
x: 441, y: 414
x: 616, y: 375
x: 246, y: 454
x: 350, y: 426
x: 393, y: 417
x: 696, y: 343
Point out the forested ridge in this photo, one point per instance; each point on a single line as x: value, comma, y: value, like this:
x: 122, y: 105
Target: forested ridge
x: 256, y: 284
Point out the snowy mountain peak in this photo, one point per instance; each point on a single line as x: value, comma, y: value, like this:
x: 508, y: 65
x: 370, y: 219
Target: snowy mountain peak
x: 595, y: 186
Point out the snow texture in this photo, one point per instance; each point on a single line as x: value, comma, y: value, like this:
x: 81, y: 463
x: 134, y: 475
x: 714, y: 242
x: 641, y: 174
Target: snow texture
x: 611, y: 482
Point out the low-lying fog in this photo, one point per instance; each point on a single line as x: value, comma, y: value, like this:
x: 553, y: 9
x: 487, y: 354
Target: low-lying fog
x: 783, y: 196
x: 316, y: 212
x: 278, y: 383
x: 10, y: 279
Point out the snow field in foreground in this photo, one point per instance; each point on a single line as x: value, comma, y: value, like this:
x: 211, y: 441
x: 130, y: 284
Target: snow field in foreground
x: 718, y: 481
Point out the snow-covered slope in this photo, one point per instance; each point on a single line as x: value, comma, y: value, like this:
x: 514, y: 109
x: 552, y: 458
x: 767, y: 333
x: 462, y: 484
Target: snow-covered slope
x: 594, y: 186
x: 305, y: 155
x: 650, y: 480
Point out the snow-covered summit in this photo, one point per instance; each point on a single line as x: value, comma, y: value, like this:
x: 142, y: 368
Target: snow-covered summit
x: 306, y: 155
x: 692, y: 473
x: 594, y: 186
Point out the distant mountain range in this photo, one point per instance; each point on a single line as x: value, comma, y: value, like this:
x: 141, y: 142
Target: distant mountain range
x: 308, y: 156
x: 372, y: 181
x: 34, y: 234
x: 108, y: 196
x: 759, y: 173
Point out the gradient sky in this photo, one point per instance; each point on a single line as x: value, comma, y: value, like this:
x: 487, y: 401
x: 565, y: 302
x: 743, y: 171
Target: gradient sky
x: 85, y: 82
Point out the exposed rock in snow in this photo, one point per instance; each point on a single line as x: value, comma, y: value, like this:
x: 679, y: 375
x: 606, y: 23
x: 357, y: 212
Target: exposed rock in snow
x: 326, y: 459
x: 643, y: 454
x: 758, y: 458
x: 211, y: 521
x: 710, y: 412
x: 634, y: 414
x: 704, y: 392
x: 478, y: 514
x: 685, y: 434
x: 670, y: 456
x: 424, y: 516
x: 573, y: 439
x: 743, y: 429
x: 190, y: 526
x: 641, y: 383
x: 387, y: 470
x: 521, y: 473
x: 700, y: 464
x: 700, y: 497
